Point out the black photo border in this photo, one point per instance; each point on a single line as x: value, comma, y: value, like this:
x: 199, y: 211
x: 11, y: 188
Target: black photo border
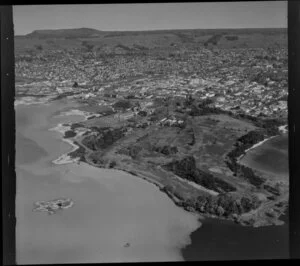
x: 8, y: 123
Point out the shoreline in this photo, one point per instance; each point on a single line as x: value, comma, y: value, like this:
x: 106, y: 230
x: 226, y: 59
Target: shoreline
x: 91, y: 187
x: 66, y: 159
x: 255, y: 146
x: 30, y: 100
x: 262, y: 171
x: 282, y: 129
x: 85, y: 114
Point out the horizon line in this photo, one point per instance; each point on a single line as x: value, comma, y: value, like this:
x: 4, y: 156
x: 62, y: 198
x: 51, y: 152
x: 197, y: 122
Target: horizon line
x: 148, y: 30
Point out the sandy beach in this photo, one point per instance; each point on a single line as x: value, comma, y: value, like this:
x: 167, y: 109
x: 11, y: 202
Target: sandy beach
x: 254, y: 146
x: 31, y: 100
x: 85, y: 114
x: 65, y: 158
x: 269, y: 158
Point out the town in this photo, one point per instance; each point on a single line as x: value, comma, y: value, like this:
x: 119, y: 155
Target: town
x: 178, y: 112
x: 244, y: 80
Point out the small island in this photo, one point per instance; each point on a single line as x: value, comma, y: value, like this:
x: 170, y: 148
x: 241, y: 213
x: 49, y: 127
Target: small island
x: 52, y: 206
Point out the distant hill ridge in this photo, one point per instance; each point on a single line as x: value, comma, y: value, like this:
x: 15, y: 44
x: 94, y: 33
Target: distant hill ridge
x: 89, y: 32
x: 76, y: 33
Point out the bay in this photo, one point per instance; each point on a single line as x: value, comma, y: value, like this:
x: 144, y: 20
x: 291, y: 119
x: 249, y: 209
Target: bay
x: 111, y: 208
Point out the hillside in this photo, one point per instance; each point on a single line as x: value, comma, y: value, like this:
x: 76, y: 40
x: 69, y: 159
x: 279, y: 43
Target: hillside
x: 64, y: 33
x: 107, y: 42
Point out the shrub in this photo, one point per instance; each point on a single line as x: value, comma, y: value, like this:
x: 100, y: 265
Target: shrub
x: 39, y: 47
x: 231, y: 38
x: 122, y: 104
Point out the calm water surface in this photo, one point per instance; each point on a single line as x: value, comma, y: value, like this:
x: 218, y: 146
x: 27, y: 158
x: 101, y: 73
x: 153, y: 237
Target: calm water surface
x: 271, y: 156
x: 225, y: 240
x: 111, y: 208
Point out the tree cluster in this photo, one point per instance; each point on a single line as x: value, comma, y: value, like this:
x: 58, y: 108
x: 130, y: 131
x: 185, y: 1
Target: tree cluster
x: 39, y: 47
x: 79, y: 152
x: 87, y: 45
x: 104, y: 139
x: 122, y: 105
x: 186, y: 169
x: 232, y: 38
x: 223, y: 205
x: 213, y: 40
x: 166, y: 150
x: 132, y: 151
x: 242, y: 171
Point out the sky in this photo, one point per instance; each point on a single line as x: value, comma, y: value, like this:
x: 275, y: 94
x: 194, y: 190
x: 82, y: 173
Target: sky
x: 123, y: 17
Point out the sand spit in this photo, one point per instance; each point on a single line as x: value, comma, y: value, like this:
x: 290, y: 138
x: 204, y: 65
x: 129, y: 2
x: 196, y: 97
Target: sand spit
x: 65, y: 158
x: 32, y: 100
x: 62, y: 128
x: 255, y: 146
x: 85, y: 114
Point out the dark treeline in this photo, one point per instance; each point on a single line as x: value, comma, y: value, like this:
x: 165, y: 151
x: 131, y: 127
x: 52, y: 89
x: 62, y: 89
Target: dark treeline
x: 186, y: 169
x: 267, y: 128
x: 213, y: 40
x: 223, y: 205
x: 205, y: 107
x: 75, y: 125
x: 226, y: 204
x: 166, y: 150
x: 78, y: 153
x: 244, y: 143
x: 132, y: 151
x: 232, y: 38
x: 105, y: 138
x: 69, y: 134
